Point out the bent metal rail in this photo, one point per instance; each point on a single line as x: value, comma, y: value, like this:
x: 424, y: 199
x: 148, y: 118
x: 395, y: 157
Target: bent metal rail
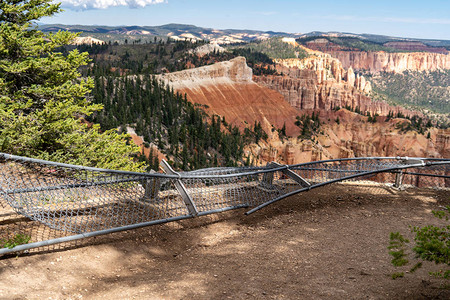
x: 44, y: 203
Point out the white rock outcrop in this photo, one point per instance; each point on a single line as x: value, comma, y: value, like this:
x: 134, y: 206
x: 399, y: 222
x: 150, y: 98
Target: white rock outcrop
x: 226, y: 72
x: 87, y: 40
x: 208, y: 48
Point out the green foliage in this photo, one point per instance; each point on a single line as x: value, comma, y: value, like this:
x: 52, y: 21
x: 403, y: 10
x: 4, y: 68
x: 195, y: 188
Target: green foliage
x: 426, y: 90
x: 414, y: 123
x: 180, y: 129
x: 162, y: 56
x: 148, y: 58
x: 432, y: 243
x: 398, y: 248
x: 253, y: 56
x: 282, y: 131
x: 372, y: 119
x: 43, y: 97
x: 310, y: 125
x: 350, y: 44
x: 106, y: 149
x: 276, y: 48
x: 258, y: 61
x: 256, y: 135
x: 398, y: 275
x: 16, y: 240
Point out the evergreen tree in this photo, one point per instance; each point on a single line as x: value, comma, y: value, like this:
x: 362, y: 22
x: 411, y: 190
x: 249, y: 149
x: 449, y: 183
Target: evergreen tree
x: 43, y: 97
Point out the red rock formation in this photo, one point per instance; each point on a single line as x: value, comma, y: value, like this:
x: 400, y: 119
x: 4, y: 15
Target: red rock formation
x: 325, y: 68
x: 289, y: 154
x: 443, y: 142
x: 380, y: 61
x: 353, y: 136
x: 322, y: 45
x: 321, y: 83
x: 306, y: 93
x: 375, y: 62
x: 415, y: 46
x: 228, y: 90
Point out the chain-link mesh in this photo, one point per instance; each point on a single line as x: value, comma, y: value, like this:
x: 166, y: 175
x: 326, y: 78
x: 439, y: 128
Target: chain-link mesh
x: 45, y: 203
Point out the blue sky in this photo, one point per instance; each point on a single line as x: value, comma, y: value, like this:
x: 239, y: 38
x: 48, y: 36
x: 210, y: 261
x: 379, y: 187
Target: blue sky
x: 404, y: 18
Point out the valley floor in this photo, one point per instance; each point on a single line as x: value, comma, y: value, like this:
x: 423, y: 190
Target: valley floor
x: 329, y: 243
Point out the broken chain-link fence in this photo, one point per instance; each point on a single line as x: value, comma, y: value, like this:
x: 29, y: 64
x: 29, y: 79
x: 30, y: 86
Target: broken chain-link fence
x: 45, y: 203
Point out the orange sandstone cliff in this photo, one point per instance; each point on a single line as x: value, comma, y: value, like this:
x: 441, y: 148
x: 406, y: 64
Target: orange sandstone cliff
x: 354, y: 136
x: 317, y: 84
x: 380, y: 61
x: 320, y: 82
x: 375, y: 62
x: 227, y: 89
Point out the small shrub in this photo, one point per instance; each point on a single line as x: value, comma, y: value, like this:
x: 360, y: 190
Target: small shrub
x: 18, y: 239
x: 432, y: 243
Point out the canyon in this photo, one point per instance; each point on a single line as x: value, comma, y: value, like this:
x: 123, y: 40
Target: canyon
x: 318, y: 84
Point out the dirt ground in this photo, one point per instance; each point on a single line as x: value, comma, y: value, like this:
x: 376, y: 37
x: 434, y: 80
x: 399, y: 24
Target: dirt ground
x: 329, y: 243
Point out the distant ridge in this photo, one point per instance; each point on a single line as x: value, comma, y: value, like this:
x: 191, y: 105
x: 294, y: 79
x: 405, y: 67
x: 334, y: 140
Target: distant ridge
x: 224, y: 36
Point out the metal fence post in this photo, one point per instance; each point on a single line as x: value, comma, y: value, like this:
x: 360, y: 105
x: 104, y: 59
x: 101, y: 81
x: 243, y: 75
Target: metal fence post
x: 190, y: 205
x: 151, y: 187
x: 294, y: 176
x: 398, y: 179
x: 63, y: 202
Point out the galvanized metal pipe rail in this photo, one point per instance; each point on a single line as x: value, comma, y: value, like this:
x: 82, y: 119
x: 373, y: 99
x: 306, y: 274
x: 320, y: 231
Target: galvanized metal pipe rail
x: 75, y: 202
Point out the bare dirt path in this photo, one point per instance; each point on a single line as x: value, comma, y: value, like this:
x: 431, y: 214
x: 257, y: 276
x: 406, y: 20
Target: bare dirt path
x: 325, y: 244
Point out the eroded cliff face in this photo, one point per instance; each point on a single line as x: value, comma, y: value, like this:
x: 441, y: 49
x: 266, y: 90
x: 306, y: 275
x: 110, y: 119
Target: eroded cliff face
x: 442, y: 142
x: 380, y: 61
x: 325, y: 68
x: 354, y: 136
x: 230, y: 72
x: 320, y: 82
x: 415, y: 46
x: 227, y: 90
x: 375, y: 62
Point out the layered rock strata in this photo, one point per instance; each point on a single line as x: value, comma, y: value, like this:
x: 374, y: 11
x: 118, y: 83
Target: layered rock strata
x: 375, y: 62
x: 415, y: 46
x: 322, y: 83
x: 353, y: 136
x: 227, y: 89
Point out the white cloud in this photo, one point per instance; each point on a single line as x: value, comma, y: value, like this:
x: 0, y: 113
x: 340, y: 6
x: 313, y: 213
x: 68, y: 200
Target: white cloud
x: 101, y: 4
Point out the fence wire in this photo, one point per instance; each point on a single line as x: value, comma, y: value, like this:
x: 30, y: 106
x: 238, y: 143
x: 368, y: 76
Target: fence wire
x: 43, y: 204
